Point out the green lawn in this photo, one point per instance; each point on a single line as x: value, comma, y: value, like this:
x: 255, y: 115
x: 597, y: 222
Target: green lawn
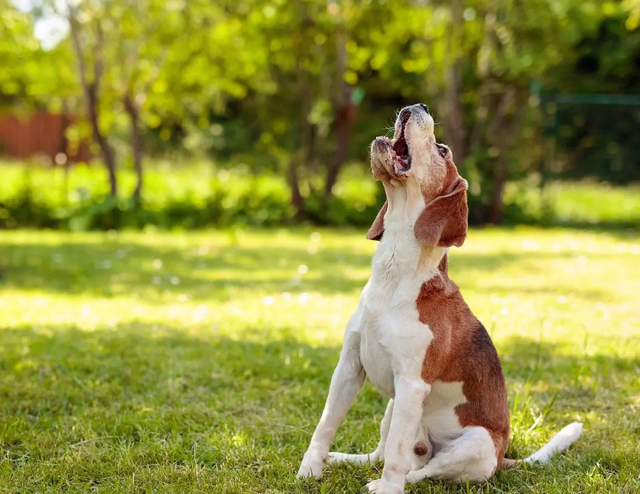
x: 200, y: 362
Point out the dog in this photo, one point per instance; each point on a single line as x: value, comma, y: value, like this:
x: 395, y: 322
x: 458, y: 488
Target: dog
x: 414, y: 336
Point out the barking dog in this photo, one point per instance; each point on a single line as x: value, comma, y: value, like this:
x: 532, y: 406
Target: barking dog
x: 414, y: 336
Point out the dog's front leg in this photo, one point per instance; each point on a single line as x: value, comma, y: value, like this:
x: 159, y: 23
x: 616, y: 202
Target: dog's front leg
x: 398, y: 454
x: 347, y: 380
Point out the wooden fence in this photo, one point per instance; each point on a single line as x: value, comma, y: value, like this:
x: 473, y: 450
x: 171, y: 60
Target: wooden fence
x: 41, y: 134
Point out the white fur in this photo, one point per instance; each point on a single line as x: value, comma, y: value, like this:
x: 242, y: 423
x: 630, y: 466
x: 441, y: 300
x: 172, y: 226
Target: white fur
x: 561, y: 441
x: 471, y: 456
x: 439, y: 415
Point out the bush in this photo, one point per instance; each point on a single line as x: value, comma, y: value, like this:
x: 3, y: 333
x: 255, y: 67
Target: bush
x: 194, y: 197
x: 200, y: 196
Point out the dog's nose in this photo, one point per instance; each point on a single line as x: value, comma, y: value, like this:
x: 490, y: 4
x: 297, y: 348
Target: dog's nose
x: 424, y: 107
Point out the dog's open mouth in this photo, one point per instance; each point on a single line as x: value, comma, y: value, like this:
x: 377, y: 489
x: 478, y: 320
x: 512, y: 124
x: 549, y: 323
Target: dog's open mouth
x: 401, y: 158
x: 391, y: 157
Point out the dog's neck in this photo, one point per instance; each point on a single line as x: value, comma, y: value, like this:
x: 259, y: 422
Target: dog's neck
x: 399, y: 253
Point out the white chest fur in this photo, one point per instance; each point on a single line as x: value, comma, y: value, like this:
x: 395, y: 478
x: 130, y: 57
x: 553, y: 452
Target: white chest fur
x: 393, y: 340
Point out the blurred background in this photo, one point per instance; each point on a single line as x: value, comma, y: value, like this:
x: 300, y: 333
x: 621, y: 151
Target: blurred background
x: 184, y: 194
x: 191, y: 113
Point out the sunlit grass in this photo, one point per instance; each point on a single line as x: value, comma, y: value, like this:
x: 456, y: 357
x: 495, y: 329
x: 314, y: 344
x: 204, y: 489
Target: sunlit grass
x: 200, y: 362
x: 594, y: 203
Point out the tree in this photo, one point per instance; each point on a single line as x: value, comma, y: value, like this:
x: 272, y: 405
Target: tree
x: 16, y: 42
x: 119, y: 48
x: 31, y: 77
x: 278, y: 84
x: 344, y: 108
x: 88, y: 43
x: 146, y: 30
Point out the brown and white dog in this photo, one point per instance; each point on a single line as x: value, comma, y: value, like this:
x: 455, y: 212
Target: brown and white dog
x: 414, y: 336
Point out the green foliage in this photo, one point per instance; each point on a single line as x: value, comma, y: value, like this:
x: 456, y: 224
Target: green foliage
x: 45, y: 198
x: 30, y: 76
x: 300, y: 88
x: 199, y: 362
x: 200, y: 196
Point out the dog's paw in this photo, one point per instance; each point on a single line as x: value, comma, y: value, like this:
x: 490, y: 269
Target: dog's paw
x: 311, y: 466
x: 381, y: 486
x: 415, y: 476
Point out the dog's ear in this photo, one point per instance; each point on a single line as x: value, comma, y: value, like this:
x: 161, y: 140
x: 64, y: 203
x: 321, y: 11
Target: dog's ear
x: 377, y: 229
x: 443, y: 222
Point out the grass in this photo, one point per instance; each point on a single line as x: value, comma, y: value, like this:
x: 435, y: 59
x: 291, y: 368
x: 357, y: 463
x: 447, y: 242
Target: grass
x: 595, y: 204
x: 199, y: 362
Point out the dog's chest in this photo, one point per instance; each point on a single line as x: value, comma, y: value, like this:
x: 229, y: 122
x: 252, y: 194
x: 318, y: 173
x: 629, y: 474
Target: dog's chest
x: 393, y: 341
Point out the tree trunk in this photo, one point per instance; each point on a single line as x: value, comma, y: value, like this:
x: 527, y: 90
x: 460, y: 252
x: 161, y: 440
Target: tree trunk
x: 294, y: 187
x: 345, y: 110
x: 487, y: 86
x: 132, y: 109
x: 64, y: 149
x: 500, y: 175
x: 301, y: 156
x: 505, y: 129
x: 108, y: 155
x: 453, y: 121
x: 91, y: 91
x: 344, y: 123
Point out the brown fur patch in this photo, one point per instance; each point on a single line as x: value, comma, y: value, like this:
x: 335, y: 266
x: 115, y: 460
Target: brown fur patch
x: 443, y: 222
x: 444, y: 183
x: 463, y: 351
x: 377, y: 228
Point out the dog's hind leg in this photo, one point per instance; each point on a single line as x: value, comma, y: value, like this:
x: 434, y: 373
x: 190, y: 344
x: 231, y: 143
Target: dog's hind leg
x: 378, y: 454
x: 471, y: 456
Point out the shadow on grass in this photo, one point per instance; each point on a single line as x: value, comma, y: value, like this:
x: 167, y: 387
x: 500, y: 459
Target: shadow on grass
x: 118, y: 268
x: 624, y: 229
x: 108, y: 402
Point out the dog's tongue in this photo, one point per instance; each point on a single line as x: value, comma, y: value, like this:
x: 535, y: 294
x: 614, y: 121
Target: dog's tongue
x: 400, y: 146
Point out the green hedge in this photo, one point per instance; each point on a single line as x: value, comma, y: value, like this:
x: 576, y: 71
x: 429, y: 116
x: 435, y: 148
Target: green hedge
x: 192, y: 197
x: 200, y: 196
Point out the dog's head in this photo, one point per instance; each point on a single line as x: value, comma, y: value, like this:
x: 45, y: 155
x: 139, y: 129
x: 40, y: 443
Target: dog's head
x: 414, y: 159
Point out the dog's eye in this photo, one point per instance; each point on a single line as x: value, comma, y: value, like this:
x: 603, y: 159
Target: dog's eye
x: 442, y: 150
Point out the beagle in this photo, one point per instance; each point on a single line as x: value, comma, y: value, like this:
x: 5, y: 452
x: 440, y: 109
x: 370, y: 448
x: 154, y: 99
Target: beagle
x: 414, y: 336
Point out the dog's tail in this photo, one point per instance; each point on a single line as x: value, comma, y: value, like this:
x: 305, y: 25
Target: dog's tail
x: 561, y: 441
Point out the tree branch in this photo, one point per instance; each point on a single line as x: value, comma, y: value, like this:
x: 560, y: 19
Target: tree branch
x: 77, y: 47
x: 98, y: 61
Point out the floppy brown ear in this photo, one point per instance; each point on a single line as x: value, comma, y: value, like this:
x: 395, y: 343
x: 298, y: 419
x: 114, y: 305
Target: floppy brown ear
x: 443, y: 222
x: 377, y: 229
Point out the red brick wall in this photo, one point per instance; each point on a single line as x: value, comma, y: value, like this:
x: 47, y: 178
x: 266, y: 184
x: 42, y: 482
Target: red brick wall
x: 39, y: 134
